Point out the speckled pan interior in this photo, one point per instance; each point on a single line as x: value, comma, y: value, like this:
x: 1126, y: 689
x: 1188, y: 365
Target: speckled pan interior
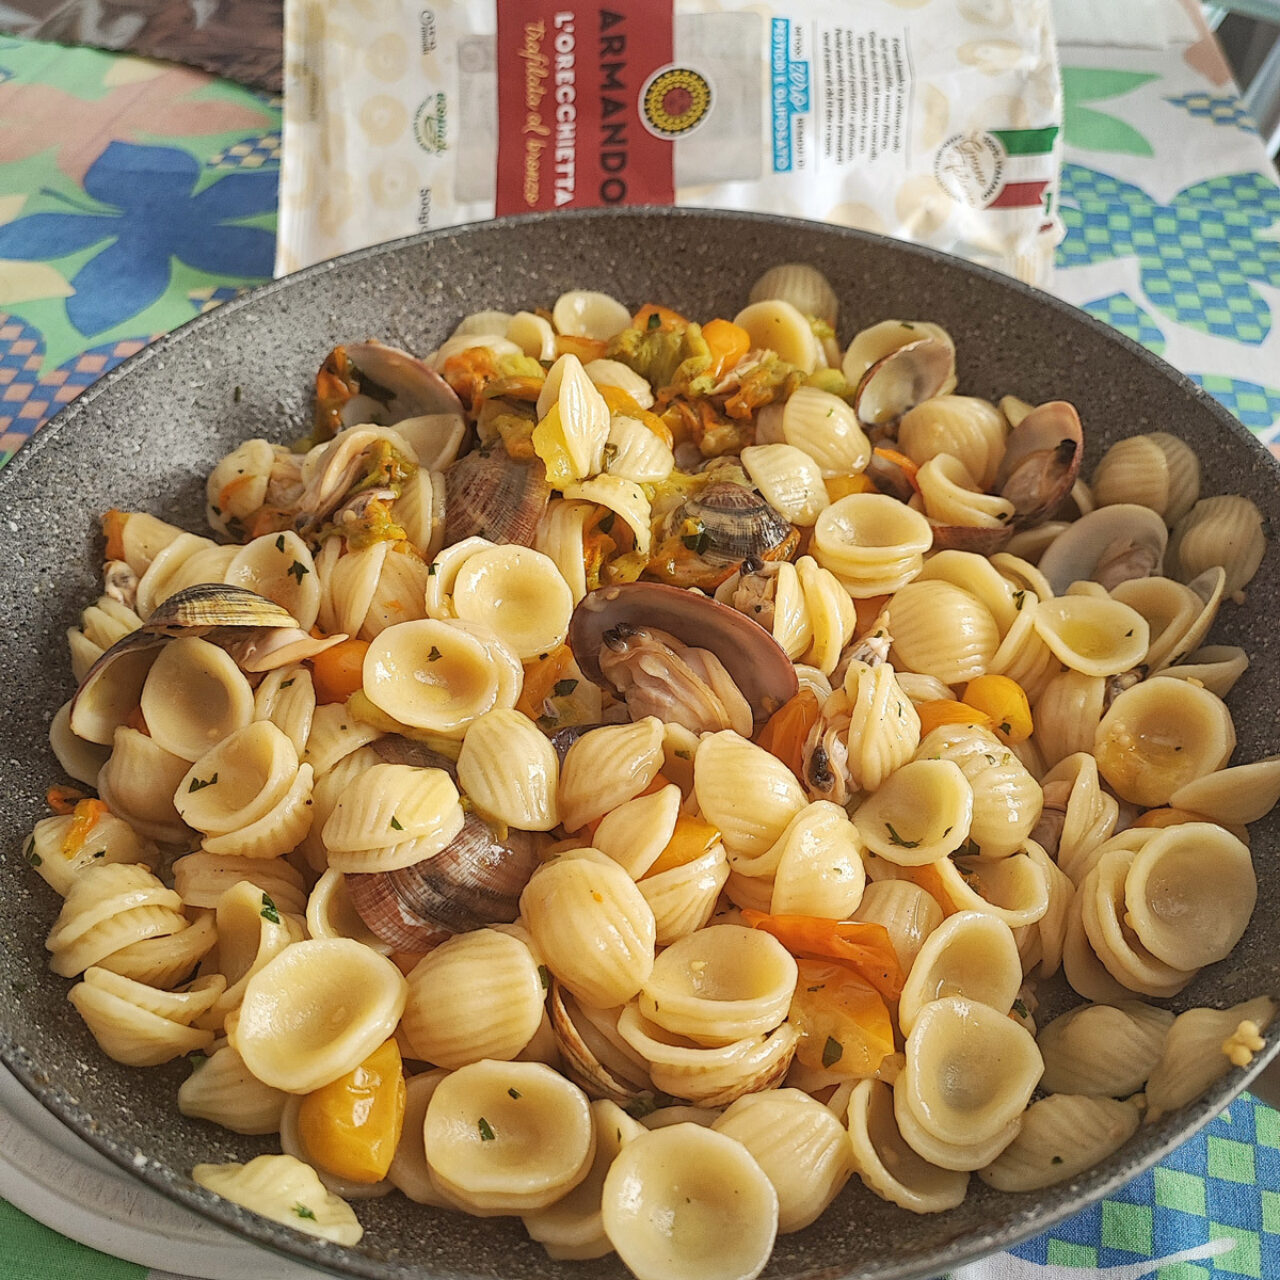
x: 146, y: 436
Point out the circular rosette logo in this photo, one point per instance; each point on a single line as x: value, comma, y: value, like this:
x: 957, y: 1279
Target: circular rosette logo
x: 970, y: 166
x: 675, y: 101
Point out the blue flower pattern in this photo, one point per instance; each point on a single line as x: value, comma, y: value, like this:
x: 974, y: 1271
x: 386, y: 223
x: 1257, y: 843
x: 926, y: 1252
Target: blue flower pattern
x: 152, y: 214
x: 1198, y: 254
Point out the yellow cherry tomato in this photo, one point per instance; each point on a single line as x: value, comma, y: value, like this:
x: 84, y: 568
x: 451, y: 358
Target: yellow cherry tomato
x: 351, y: 1127
x: 727, y: 342
x: 944, y: 711
x: 844, y: 1023
x: 842, y: 486
x: 691, y: 838
x: 1005, y: 702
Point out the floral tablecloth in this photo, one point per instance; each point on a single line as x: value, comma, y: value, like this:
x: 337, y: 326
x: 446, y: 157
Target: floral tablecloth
x: 134, y: 195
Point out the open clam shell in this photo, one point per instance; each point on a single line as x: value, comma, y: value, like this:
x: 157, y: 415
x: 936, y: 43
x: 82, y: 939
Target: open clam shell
x: 393, y: 385
x: 755, y: 661
x: 1109, y: 546
x: 595, y: 1056
x: 219, y: 613
x: 902, y: 379
x: 1041, y: 460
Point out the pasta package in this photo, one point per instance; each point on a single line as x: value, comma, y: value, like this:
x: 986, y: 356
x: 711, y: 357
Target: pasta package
x: 935, y: 123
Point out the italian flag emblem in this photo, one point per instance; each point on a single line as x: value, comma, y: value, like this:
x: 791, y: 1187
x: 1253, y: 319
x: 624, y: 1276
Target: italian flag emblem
x: 999, y: 168
x: 1029, y: 167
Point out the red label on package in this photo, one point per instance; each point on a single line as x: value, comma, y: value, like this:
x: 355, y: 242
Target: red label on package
x: 588, y: 105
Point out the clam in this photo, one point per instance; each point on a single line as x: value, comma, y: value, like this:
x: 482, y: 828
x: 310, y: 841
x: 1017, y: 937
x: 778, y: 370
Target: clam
x: 1108, y: 546
x: 900, y: 380
x: 372, y: 382
x: 1047, y: 832
x: 595, y: 1057
x: 247, y: 625
x: 1041, y: 461
x: 613, y: 618
x: 710, y: 533
x: 476, y: 880
x: 332, y: 472
x: 494, y: 496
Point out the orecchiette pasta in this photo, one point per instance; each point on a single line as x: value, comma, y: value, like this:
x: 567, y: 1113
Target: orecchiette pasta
x: 507, y: 1137
x: 286, y: 1190
x: 604, y: 715
x: 685, y: 1201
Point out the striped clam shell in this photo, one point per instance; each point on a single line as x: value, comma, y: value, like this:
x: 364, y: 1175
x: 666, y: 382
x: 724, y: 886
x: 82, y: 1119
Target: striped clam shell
x: 491, y: 495
x: 475, y: 881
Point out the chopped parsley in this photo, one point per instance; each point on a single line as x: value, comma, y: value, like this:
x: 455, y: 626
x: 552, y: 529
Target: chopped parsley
x: 235, y: 395
x: 303, y: 1212
x: 514, y: 1093
x: 435, y: 655
x: 563, y: 688
x: 544, y: 976
x: 645, y: 1105
x: 280, y: 543
x: 486, y: 1130
x: 1056, y: 1160
x: 655, y: 321
x: 395, y: 823
x: 197, y: 1060
x: 1021, y: 1009
x: 29, y: 852
x: 832, y: 1052
x: 605, y: 523
x: 431, y: 570
x: 896, y: 839
x: 1005, y: 727
x: 1019, y: 599
x: 269, y: 910
x: 298, y: 570
x: 199, y: 784
x: 819, y: 987
x: 285, y: 684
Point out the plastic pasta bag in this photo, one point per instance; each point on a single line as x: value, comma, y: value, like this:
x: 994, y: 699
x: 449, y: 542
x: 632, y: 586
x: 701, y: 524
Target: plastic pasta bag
x: 936, y: 121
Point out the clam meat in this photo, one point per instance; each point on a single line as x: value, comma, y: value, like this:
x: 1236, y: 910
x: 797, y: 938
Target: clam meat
x: 668, y: 645
x: 1109, y: 546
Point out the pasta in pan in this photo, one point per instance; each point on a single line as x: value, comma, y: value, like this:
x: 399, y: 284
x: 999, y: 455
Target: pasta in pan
x: 618, y: 757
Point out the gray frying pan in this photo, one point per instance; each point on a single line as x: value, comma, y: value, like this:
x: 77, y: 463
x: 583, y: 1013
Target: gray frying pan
x: 146, y: 436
